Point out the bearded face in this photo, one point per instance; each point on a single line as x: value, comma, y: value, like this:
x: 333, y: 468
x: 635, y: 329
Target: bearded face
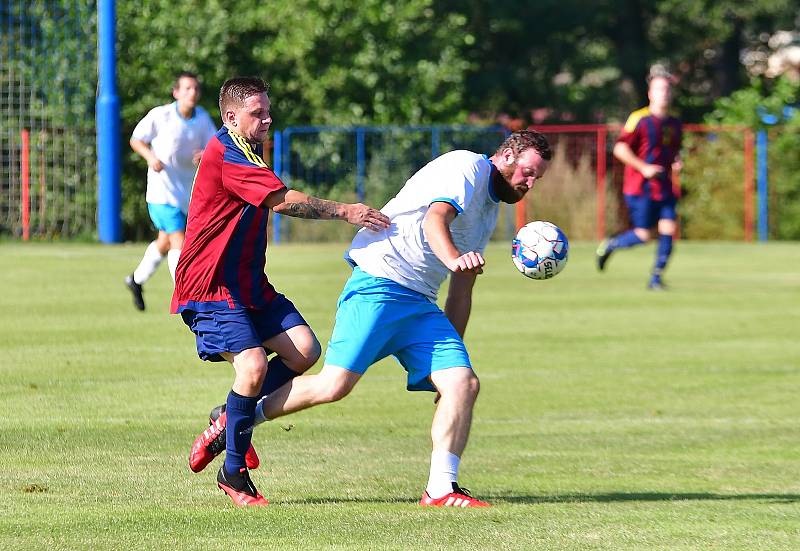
x: 518, y: 174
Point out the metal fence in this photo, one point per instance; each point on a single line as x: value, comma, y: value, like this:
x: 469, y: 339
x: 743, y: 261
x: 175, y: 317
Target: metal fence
x: 582, y: 191
x: 47, y: 138
x: 368, y: 164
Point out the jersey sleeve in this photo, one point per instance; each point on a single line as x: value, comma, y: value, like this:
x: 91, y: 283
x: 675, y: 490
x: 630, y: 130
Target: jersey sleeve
x: 454, y: 185
x: 145, y: 130
x: 246, y: 175
x: 631, y: 131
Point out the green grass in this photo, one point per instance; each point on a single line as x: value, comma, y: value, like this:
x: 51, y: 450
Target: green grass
x: 610, y: 417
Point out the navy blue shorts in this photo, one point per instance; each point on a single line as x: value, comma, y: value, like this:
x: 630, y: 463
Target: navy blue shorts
x: 646, y: 212
x: 238, y: 329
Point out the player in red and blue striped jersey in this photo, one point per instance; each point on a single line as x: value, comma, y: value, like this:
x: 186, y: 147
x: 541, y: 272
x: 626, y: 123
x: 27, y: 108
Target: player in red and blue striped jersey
x: 649, y: 146
x: 221, y: 289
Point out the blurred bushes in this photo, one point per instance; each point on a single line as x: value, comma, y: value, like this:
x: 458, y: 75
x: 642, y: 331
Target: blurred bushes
x: 750, y: 106
x: 712, y: 206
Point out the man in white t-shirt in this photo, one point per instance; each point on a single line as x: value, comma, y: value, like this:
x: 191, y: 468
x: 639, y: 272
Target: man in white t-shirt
x: 171, y: 138
x: 440, y: 223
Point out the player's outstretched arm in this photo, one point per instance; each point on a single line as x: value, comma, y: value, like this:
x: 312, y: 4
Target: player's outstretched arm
x: 458, y: 305
x: 300, y: 205
x: 436, y: 227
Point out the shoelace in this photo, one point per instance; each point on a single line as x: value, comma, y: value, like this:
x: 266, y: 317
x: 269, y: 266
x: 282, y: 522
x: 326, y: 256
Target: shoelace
x: 463, y: 491
x: 218, y: 444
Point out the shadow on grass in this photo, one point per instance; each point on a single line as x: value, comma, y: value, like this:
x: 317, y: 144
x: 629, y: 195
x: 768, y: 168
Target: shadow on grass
x: 616, y: 497
x: 645, y: 496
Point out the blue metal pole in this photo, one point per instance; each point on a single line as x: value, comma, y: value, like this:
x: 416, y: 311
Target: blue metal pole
x: 109, y: 194
x: 762, y: 189
x: 435, y: 139
x: 277, y: 167
x: 361, y: 160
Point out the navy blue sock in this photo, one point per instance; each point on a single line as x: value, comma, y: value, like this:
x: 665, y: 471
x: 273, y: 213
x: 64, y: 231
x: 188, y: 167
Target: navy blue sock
x: 239, y: 429
x: 663, y: 252
x: 277, y: 375
x: 624, y: 240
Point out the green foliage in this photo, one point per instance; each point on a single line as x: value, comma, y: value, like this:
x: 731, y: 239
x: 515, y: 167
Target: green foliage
x: 328, y: 62
x: 712, y: 206
x: 747, y: 106
x: 784, y: 180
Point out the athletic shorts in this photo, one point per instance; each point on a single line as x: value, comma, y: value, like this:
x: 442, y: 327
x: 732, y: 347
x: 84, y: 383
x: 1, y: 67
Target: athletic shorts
x: 238, y: 329
x: 167, y: 218
x: 646, y: 212
x: 377, y: 317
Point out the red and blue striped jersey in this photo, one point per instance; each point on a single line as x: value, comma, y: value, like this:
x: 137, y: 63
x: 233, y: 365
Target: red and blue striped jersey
x: 656, y: 141
x: 222, y: 262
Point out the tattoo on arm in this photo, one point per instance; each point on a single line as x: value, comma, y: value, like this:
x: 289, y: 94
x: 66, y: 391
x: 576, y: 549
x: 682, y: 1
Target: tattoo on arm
x: 314, y: 208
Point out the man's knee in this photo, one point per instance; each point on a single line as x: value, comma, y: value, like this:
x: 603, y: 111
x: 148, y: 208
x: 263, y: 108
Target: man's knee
x: 643, y: 234
x: 471, y: 387
x: 462, y: 384
x: 251, y: 369
x: 335, y: 384
x: 308, y: 355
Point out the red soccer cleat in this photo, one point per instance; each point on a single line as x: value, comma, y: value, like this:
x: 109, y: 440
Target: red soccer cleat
x: 211, y: 442
x: 240, y: 488
x: 459, y: 497
x: 250, y: 457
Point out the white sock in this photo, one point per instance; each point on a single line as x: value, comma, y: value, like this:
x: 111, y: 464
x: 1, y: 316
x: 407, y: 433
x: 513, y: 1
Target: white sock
x: 147, y: 267
x: 444, y: 471
x: 259, y: 413
x: 172, y: 261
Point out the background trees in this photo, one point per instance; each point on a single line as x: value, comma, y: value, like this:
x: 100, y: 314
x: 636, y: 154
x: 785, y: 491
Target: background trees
x: 338, y: 62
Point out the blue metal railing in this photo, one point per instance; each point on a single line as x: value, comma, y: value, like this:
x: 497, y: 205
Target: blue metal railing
x: 324, y: 156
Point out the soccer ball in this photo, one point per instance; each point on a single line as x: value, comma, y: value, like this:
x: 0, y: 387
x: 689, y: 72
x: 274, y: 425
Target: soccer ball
x: 539, y: 250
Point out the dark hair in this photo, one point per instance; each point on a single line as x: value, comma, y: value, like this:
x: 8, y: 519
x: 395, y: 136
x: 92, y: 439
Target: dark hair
x: 527, y: 139
x: 237, y: 89
x: 183, y: 74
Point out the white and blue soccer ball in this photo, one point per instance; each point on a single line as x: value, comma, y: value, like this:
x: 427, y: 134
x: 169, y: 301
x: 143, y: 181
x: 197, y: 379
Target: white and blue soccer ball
x: 540, y: 250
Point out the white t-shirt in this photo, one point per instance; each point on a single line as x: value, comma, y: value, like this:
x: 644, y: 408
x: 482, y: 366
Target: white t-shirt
x: 174, y: 140
x: 401, y: 252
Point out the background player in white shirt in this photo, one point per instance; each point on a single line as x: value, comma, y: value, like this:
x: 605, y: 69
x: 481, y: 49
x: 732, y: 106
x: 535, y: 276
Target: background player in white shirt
x: 171, y: 138
x: 440, y: 223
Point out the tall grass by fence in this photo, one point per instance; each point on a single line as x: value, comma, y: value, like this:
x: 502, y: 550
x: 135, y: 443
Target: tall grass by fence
x: 582, y: 191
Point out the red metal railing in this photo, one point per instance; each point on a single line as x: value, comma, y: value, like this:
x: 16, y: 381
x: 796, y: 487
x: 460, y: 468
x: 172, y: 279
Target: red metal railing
x: 601, y: 132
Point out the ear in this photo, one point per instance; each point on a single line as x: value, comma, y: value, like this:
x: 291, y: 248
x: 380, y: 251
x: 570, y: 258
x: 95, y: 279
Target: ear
x: 229, y: 117
x: 508, y: 156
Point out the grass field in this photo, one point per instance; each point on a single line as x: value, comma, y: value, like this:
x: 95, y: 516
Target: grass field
x: 610, y: 417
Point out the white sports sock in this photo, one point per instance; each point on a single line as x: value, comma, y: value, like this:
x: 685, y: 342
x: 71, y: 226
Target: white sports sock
x: 259, y: 414
x: 444, y: 471
x: 172, y: 261
x: 148, y: 265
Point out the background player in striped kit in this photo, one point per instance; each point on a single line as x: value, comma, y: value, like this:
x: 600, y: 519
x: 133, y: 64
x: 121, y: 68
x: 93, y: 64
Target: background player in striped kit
x: 649, y: 146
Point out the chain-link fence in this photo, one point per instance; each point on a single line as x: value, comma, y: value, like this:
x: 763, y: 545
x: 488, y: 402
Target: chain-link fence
x: 47, y: 131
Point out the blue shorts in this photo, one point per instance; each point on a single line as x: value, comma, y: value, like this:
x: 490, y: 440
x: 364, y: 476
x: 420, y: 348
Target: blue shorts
x: 646, y: 212
x: 377, y: 317
x: 167, y: 218
x: 240, y: 328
